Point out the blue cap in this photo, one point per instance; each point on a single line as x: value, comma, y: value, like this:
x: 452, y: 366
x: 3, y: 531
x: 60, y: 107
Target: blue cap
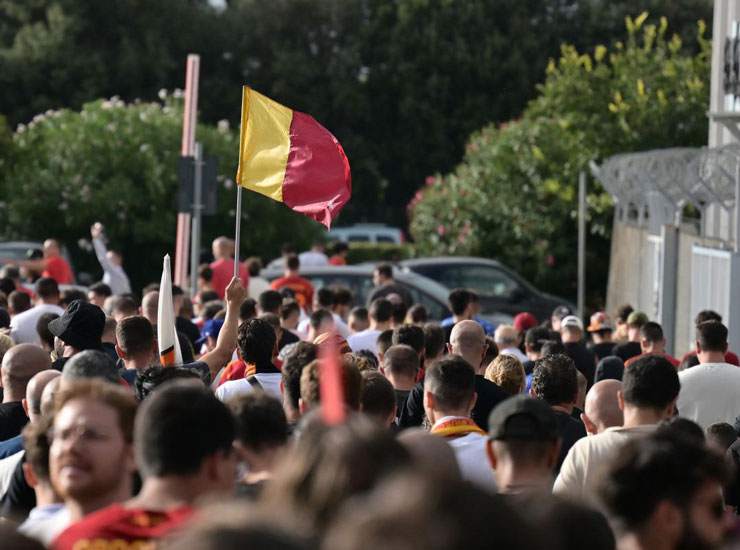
x: 211, y: 328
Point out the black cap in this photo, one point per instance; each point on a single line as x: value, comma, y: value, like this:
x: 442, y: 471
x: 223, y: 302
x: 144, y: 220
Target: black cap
x: 523, y: 418
x: 80, y: 326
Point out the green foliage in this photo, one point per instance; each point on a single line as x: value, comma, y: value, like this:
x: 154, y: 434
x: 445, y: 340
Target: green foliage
x: 402, y: 84
x: 116, y: 163
x: 378, y: 252
x: 514, y: 196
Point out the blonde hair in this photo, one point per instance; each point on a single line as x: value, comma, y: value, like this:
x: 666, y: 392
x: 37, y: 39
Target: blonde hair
x: 507, y: 372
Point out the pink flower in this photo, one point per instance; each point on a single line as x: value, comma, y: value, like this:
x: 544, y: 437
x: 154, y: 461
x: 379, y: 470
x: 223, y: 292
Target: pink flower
x: 550, y: 260
x: 429, y: 180
x: 441, y: 230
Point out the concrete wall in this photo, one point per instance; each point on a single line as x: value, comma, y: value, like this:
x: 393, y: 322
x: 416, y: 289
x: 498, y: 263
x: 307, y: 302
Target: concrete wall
x: 624, y: 266
x: 629, y: 284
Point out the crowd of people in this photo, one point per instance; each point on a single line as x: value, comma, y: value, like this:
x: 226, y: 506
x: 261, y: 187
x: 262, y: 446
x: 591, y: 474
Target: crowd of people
x: 457, y: 434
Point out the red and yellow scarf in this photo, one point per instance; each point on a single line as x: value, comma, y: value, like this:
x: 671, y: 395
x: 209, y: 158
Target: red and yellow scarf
x: 456, y: 427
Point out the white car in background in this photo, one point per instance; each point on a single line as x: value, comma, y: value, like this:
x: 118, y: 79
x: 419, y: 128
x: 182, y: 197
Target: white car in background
x: 367, y: 233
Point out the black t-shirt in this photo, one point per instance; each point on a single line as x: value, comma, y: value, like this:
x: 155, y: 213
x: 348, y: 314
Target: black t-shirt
x: 391, y: 288
x: 627, y: 350
x: 12, y: 419
x: 448, y: 331
x: 401, y: 398
x: 583, y: 358
x: 571, y: 430
x: 188, y: 328
x: 489, y: 395
x: 603, y: 349
x: 287, y: 338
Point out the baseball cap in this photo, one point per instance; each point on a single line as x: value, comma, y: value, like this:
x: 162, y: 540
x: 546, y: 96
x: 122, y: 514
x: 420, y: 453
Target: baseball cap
x: 572, y: 321
x: 211, y: 328
x: 523, y: 418
x: 524, y: 321
x: 637, y: 318
x: 561, y: 312
x: 600, y: 321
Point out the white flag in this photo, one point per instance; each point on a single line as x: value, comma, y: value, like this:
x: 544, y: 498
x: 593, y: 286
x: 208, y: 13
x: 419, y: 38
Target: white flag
x: 169, y: 346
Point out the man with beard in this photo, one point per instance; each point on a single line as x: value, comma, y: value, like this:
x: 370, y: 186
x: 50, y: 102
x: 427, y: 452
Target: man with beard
x: 91, y: 454
x: 664, y: 492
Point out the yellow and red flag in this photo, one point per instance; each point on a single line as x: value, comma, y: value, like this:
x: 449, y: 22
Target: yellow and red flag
x: 288, y: 156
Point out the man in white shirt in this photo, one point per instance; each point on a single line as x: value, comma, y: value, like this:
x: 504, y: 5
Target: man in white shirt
x: 111, y: 262
x: 257, y: 346
x: 323, y: 298
x: 257, y: 284
x: 314, y: 257
x: 23, y: 325
x: 710, y: 391
x: 380, y: 313
x: 507, y: 340
x: 449, y: 398
x: 649, y: 391
x: 524, y: 445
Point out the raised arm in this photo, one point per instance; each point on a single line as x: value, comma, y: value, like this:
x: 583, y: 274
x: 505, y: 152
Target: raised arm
x: 235, y: 294
x: 96, y: 231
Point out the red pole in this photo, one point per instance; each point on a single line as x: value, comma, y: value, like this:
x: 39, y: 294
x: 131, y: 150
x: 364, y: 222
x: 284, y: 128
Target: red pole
x: 187, y: 149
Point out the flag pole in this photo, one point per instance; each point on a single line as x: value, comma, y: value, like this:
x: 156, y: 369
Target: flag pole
x: 237, y: 237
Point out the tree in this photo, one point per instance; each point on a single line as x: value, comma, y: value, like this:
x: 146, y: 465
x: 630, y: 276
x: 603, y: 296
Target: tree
x: 513, y: 197
x: 116, y: 162
x: 402, y: 84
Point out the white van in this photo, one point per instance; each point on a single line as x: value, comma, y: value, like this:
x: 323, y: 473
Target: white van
x: 367, y: 233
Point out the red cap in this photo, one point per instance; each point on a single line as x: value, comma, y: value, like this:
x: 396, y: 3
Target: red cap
x: 524, y: 321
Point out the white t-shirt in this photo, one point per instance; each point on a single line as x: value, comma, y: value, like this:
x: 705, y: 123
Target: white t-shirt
x: 472, y: 458
x: 710, y: 393
x: 23, y: 325
x: 339, y: 324
x: 366, y: 339
x: 270, y: 382
x: 588, y: 456
x: 313, y: 259
x: 258, y: 285
x: 44, y: 523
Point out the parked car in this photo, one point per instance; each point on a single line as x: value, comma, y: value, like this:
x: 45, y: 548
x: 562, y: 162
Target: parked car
x: 501, y: 290
x: 367, y: 233
x: 15, y: 251
x: 359, y: 279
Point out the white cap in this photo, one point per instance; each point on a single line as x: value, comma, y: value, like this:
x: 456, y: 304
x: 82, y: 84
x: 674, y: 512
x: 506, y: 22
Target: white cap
x: 572, y: 321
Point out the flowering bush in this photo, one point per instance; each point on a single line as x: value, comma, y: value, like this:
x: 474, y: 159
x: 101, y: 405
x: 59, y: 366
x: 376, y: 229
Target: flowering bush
x: 117, y: 163
x: 514, y: 195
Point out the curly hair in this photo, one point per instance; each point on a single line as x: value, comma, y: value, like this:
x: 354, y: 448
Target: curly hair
x: 507, y: 372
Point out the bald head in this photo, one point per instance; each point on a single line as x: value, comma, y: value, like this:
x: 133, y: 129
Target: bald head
x: 51, y: 248
x: 221, y: 248
x: 20, y: 364
x: 469, y: 341
x: 602, y: 407
x: 150, y: 305
x: 35, y: 390
x: 49, y: 394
